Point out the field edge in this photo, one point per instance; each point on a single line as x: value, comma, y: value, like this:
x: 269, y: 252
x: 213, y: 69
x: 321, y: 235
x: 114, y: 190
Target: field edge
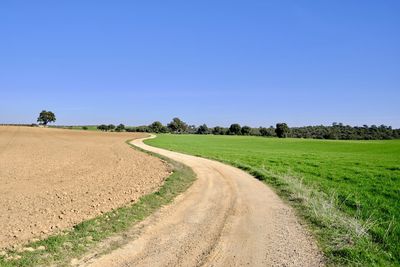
x: 73, y: 243
x: 343, y: 239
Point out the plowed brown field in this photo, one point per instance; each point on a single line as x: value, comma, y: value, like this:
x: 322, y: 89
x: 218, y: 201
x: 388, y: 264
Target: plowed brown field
x: 52, y: 179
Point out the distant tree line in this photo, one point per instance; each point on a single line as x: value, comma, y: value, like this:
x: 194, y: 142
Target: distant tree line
x: 346, y: 132
x: 19, y: 124
x: 110, y: 127
x: 282, y: 130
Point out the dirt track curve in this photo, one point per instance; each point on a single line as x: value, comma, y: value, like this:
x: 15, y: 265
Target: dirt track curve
x: 226, y: 218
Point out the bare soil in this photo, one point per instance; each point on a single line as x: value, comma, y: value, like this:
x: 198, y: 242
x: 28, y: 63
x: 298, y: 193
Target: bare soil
x: 52, y: 179
x: 226, y: 218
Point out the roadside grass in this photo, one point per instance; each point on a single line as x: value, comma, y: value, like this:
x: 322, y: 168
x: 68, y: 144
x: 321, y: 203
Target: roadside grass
x: 59, y: 249
x: 348, y: 192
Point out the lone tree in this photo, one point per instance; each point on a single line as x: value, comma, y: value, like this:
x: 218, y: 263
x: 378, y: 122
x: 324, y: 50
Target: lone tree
x: 45, y: 117
x: 282, y: 130
x: 177, y: 126
x: 235, y: 129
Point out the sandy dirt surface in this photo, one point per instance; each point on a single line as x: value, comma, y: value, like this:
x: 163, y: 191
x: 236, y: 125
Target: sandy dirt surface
x: 227, y: 218
x: 52, y: 179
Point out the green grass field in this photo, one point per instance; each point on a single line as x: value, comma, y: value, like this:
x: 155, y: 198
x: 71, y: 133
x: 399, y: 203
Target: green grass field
x: 347, y: 191
x: 77, y: 127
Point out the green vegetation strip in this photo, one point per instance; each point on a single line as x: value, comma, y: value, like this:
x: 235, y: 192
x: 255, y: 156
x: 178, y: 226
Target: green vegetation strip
x: 347, y: 191
x: 84, y: 127
x: 61, y: 248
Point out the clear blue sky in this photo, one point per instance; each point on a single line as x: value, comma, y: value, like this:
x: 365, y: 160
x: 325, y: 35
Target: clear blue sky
x: 214, y: 62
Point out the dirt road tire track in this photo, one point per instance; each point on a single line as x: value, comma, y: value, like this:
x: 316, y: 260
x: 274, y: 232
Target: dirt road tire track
x: 227, y: 218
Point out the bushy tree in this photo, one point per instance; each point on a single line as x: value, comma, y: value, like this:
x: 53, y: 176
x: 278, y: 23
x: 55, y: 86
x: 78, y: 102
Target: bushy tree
x: 143, y: 129
x: 235, y: 129
x: 85, y: 128
x: 157, y: 127
x: 177, y: 126
x: 120, y: 128
x: 102, y: 127
x: 267, y: 131
x: 45, y: 117
x: 191, y: 129
x: 203, y: 129
x: 263, y: 131
x: 217, y: 130
x: 282, y: 130
x: 246, y: 130
x: 111, y: 127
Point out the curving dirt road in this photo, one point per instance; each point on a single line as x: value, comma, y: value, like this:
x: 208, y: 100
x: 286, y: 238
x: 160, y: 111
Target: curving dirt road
x: 226, y: 218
